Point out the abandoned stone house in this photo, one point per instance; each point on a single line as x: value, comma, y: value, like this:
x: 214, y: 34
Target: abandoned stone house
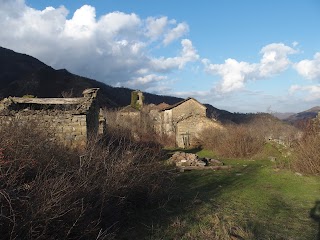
x: 184, y: 121
x: 70, y: 121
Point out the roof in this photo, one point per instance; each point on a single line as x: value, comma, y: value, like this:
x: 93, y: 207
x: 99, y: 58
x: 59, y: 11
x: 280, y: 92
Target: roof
x: 162, y: 106
x: 185, y: 100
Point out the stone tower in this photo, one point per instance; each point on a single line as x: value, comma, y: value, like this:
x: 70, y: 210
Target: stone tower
x: 137, y: 99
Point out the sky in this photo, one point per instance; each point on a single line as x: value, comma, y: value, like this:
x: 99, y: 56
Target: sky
x: 237, y: 55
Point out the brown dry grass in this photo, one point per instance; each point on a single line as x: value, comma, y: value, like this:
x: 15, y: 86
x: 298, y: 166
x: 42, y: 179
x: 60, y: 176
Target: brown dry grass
x: 50, y: 192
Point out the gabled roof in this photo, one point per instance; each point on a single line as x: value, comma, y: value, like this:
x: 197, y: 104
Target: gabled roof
x: 179, y: 103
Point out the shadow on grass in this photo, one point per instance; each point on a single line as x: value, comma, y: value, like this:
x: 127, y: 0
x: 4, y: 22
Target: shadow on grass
x: 315, y: 215
x: 193, y: 190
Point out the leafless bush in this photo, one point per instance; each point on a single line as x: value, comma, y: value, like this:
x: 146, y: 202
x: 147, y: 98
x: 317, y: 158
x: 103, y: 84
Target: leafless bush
x: 273, y: 128
x: 233, y: 141
x: 138, y: 126
x: 50, y: 192
x: 246, y: 140
x: 307, y: 152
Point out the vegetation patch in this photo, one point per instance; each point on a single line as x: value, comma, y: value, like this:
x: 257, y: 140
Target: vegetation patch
x: 252, y: 200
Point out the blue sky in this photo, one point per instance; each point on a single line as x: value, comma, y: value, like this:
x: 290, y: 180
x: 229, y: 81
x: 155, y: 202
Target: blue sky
x: 241, y: 56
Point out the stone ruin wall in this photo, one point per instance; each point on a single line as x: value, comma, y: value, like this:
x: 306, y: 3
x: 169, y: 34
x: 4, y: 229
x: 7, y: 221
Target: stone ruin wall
x: 93, y: 120
x: 65, y: 128
x: 171, y: 117
x: 193, y: 125
x: 187, y: 109
x: 70, y: 121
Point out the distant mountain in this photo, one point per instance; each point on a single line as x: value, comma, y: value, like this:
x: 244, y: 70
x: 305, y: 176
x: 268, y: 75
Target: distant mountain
x: 300, y: 117
x: 21, y: 74
x: 282, y: 116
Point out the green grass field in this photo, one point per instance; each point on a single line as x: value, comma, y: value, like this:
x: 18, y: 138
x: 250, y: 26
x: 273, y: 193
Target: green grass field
x: 252, y: 200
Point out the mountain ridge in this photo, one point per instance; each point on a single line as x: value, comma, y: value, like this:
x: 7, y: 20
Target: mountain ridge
x: 21, y: 74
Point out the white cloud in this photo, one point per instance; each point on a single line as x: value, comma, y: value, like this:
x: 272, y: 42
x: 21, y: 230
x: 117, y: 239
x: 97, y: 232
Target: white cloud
x: 235, y: 74
x: 310, y: 93
x: 175, y: 33
x: 274, y: 59
x: 114, y: 48
x: 156, y: 27
x: 147, y: 79
x: 188, y: 54
x: 82, y: 24
x: 309, y: 69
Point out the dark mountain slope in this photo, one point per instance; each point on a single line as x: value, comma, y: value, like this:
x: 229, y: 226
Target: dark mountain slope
x: 21, y: 74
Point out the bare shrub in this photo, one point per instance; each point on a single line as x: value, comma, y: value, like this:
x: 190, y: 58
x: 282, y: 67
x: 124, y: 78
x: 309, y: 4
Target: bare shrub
x: 233, y: 141
x: 239, y: 141
x: 50, y: 192
x: 273, y: 128
x: 137, y: 126
x: 246, y: 140
x: 307, y: 152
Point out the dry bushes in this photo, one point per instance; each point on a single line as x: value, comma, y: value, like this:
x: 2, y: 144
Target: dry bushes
x: 50, y: 192
x: 138, y: 126
x: 246, y: 140
x: 307, y: 151
x: 233, y: 141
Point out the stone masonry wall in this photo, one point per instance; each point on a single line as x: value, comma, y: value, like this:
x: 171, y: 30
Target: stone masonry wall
x: 92, y: 119
x: 188, y: 108
x: 66, y: 128
x: 191, y: 127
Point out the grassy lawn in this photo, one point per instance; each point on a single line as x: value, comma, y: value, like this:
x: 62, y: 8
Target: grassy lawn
x: 253, y: 200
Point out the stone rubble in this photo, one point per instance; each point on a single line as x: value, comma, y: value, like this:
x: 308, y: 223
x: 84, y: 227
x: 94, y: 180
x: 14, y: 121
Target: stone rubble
x: 182, y: 159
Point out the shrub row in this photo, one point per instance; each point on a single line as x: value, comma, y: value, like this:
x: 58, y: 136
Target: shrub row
x: 50, y: 192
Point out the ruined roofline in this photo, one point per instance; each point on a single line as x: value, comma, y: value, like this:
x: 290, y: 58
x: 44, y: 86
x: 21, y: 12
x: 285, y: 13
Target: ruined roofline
x: 179, y: 103
x: 89, y: 93
x: 52, y: 101
x: 82, y: 104
x: 128, y: 108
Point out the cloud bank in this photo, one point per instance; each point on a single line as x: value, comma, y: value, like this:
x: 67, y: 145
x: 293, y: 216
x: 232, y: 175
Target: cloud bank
x: 235, y: 74
x: 120, y: 49
x: 309, y: 69
x: 114, y: 48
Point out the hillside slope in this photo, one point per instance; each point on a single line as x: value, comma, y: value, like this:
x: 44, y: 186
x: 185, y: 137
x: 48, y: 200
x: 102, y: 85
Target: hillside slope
x: 21, y: 74
x: 303, y: 116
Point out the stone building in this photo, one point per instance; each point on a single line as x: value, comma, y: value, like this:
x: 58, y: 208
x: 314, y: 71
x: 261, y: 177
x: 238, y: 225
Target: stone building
x: 71, y: 121
x: 186, y: 120
x: 183, y: 121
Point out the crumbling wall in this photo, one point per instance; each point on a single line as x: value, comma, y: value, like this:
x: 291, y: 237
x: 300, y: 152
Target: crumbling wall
x: 186, y: 109
x: 70, y: 121
x: 188, y: 130
x: 168, y: 126
x: 92, y: 118
x: 68, y: 129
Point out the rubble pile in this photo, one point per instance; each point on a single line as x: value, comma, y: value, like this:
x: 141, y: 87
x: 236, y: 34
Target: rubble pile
x: 189, y: 161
